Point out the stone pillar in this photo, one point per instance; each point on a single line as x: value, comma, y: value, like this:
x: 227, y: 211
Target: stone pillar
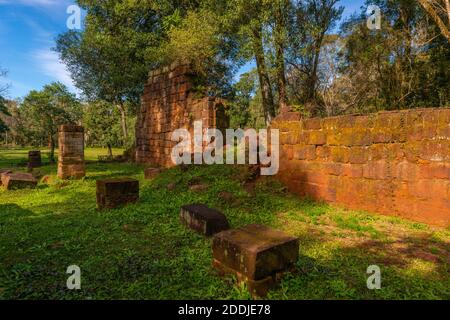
x: 71, y: 152
x: 34, y: 159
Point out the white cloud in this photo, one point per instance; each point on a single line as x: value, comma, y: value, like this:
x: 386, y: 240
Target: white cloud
x: 50, y: 65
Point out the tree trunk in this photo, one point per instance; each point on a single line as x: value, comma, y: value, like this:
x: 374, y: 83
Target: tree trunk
x: 312, y: 79
x: 123, y: 120
x: 445, y: 30
x: 110, y: 153
x: 280, y: 65
x: 52, y: 149
x: 447, y: 6
x: 264, y: 80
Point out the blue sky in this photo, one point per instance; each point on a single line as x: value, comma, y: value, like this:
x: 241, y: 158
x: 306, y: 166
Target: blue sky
x: 28, y: 29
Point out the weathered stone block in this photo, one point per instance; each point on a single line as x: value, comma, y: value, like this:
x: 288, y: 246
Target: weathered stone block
x: 255, y: 254
x: 151, y: 173
x: 358, y: 155
x: 318, y: 138
x: 15, y: 181
x: 71, y: 152
x: 114, y: 193
x: 304, y: 152
x: 203, y: 220
x: 312, y: 124
x: 34, y: 159
x: 2, y: 172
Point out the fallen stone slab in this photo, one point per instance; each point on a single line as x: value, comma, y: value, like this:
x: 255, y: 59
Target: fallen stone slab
x: 256, y: 255
x: 151, y: 173
x: 203, y: 219
x: 114, y: 193
x: 16, y: 181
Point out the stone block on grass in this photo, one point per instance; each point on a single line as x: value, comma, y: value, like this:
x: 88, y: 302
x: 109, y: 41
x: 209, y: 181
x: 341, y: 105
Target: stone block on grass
x: 16, y: 181
x: 4, y: 171
x: 115, y: 193
x: 203, y: 219
x: 34, y: 159
x: 256, y: 255
x: 151, y: 173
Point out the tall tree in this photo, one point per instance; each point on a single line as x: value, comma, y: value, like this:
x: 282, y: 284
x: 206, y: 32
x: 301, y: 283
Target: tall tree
x: 46, y: 109
x: 99, y: 120
x: 400, y: 66
x: 308, y: 28
x: 109, y: 60
x: 3, y: 108
x: 280, y: 41
x: 250, y: 18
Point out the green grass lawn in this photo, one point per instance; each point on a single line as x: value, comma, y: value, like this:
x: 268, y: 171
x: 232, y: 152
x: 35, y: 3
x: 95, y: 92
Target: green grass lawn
x: 143, y: 252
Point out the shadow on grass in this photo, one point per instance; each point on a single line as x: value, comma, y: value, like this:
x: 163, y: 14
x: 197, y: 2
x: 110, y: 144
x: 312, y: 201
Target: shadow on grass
x: 143, y: 252
x: 8, y: 211
x: 412, y: 267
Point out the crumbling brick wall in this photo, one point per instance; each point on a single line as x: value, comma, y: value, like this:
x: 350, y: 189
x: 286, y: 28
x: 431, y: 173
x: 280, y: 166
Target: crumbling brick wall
x: 394, y: 163
x: 169, y: 103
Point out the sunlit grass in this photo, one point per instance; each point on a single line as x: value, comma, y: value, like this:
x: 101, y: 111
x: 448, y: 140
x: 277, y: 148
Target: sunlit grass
x: 143, y: 252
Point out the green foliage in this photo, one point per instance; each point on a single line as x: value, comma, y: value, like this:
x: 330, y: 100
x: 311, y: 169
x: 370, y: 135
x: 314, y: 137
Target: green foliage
x: 3, y: 107
x: 101, y: 126
x: 4, y: 111
x: 398, y: 67
x: 244, y: 92
x: 43, y: 111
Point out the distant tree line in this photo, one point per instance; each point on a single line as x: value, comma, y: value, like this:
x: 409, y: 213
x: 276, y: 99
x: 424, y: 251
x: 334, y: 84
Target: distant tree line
x: 34, y: 120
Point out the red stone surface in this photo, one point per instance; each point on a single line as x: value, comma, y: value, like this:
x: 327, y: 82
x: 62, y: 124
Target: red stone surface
x: 256, y: 255
x: 169, y: 103
x: 15, y: 181
x: 394, y: 163
x: 71, y: 163
x: 114, y: 193
x: 203, y: 219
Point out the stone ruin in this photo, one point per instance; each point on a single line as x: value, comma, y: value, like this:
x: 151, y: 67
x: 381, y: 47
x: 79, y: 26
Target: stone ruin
x: 16, y: 181
x: 394, y: 163
x: 255, y: 254
x: 71, y: 152
x: 115, y: 193
x: 34, y: 159
x: 203, y: 219
x: 170, y: 102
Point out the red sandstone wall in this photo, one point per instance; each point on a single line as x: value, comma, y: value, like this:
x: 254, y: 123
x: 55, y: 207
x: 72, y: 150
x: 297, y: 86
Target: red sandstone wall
x: 394, y: 163
x: 168, y: 103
